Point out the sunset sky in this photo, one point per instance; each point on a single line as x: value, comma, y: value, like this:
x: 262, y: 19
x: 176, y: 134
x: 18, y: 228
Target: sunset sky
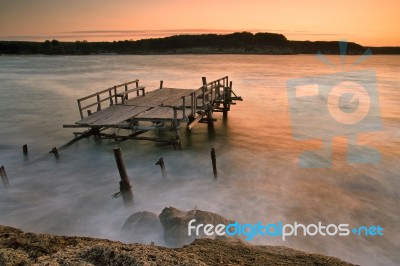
x: 368, y: 22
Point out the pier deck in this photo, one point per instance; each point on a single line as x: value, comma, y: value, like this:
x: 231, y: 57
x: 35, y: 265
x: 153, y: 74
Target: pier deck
x: 129, y: 106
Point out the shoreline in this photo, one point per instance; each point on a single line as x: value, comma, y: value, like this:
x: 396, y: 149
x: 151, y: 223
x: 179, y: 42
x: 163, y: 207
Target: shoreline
x: 21, y: 248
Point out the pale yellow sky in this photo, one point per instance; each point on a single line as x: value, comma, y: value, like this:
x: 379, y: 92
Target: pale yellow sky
x: 366, y: 22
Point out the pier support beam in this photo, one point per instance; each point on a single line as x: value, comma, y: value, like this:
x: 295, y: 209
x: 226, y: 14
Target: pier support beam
x: 124, y: 185
x: 214, y: 163
x: 55, y: 152
x: 25, y: 150
x: 160, y: 162
x: 4, y: 176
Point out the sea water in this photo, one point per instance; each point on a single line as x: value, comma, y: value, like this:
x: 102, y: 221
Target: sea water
x: 259, y: 177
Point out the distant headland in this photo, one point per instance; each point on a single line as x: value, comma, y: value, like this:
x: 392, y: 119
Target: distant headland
x: 234, y: 43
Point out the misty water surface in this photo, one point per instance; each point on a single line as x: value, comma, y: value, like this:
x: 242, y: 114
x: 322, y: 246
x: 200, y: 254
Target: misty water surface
x: 259, y: 178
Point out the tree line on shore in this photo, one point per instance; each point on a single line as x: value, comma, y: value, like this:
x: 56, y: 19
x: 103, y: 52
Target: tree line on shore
x: 238, y: 42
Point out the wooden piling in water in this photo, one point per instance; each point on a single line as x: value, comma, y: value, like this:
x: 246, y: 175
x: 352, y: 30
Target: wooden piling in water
x: 210, y: 120
x: 4, y: 177
x: 160, y: 162
x: 25, y: 150
x: 124, y: 185
x: 214, y: 163
x: 55, y: 152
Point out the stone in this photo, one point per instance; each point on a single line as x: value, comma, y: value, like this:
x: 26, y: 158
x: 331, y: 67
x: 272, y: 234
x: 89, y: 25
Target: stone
x: 175, y: 224
x: 143, y: 227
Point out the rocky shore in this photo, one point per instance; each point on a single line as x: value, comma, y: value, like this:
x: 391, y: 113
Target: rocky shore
x: 20, y: 248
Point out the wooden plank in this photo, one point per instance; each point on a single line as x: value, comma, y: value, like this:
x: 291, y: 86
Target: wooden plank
x: 159, y: 112
x: 158, y: 97
x: 112, y: 115
x: 196, y: 120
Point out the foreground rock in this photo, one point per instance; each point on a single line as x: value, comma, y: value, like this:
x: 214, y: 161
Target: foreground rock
x: 19, y: 248
x: 143, y: 227
x: 175, y: 224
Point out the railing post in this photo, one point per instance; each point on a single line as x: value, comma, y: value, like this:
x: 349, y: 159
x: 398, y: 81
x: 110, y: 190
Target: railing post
x: 115, y: 94
x: 80, y: 108
x: 98, y: 102
x: 192, y: 104
x: 211, y: 92
x: 204, y: 79
x: 184, y: 107
x: 195, y: 102
x: 110, y: 95
x: 204, y: 94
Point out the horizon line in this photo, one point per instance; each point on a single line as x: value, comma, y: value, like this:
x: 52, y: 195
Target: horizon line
x: 134, y: 35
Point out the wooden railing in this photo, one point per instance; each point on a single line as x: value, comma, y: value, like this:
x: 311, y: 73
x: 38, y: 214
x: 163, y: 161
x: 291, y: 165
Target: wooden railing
x: 110, y: 96
x: 208, y: 93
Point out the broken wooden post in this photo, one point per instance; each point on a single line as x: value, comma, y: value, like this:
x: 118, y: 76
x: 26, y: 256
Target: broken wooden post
x: 204, y: 80
x: 4, y: 177
x: 161, y: 84
x: 214, y: 163
x: 55, y: 151
x: 124, y: 185
x: 160, y: 162
x: 25, y: 149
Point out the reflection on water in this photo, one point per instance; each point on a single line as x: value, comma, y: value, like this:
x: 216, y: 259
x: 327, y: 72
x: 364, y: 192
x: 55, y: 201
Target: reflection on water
x: 258, y: 176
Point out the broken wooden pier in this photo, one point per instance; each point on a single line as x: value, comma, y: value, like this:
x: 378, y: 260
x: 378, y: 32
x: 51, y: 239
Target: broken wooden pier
x: 131, y: 107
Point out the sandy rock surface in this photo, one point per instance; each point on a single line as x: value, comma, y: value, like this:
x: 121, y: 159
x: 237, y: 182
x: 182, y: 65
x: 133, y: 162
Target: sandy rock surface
x: 19, y: 248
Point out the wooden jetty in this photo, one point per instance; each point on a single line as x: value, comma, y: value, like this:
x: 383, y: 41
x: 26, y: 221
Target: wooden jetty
x: 129, y: 106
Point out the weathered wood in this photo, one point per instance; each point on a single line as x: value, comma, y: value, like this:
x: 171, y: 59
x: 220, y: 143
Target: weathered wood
x: 162, y: 105
x: 160, y: 162
x: 110, y: 97
x: 75, y: 126
x: 196, y: 120
x: 112, y: 115
x: 124, y: 185
x: 210, y: 116
x: 124, y: 95
x: 111, y: 93
x: 55, y: 152
x: 4, y: 176
x: 204, y: 80
x: 78, y: 138
x: 214, y: 163
x: 25, y: 150
x: 80, y: 108
x: 98, y: 102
